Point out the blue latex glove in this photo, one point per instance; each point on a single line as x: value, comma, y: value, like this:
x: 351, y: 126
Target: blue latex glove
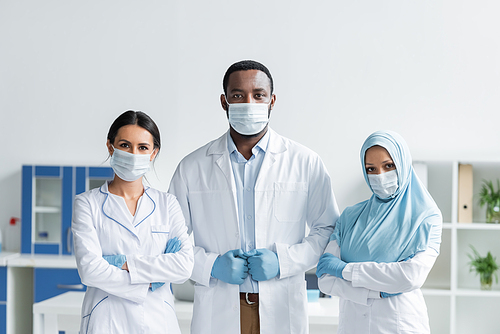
x: 173, y: 246
x: 387, y: 295
x: 115, y: 260
x: 330, y: 264
x: 231, y: 267
x: 263, y: 264
x: 156, y: 285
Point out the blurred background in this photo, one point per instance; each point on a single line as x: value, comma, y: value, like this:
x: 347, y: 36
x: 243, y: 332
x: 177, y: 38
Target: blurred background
x: 429, y: 70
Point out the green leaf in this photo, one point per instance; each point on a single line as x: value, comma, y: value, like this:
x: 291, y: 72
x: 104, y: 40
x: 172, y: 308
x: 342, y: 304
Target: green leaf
x: 483, y: 265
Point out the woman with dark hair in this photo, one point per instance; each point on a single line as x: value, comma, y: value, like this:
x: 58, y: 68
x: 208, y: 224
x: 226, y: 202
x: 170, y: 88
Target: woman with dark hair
x: 130, y: 239
x: 382, y: 249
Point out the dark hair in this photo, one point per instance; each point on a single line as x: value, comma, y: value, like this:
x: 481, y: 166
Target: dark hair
x: 139, y: 118
x: 246, y: 65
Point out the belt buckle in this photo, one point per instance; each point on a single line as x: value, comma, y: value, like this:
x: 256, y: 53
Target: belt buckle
x: 248, y: 301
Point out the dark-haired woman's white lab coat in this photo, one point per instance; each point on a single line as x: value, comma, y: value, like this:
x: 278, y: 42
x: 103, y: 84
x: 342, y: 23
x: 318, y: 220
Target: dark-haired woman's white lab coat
x: 118, y: 301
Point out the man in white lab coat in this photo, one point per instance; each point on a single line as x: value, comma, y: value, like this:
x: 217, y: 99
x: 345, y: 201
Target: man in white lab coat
x: 247, y: 197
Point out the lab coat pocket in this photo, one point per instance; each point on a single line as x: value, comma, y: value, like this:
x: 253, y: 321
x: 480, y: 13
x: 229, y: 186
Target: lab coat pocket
x: 412, y: 313
x: 411, y: 323
x: 97, y: 319
x: 160, y: 234
x: 298, y: 307
x: 203, y: 308
x: 290, y: 199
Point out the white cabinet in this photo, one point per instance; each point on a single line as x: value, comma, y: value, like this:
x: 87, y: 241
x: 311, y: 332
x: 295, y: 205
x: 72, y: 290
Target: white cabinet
x: 455, y: 302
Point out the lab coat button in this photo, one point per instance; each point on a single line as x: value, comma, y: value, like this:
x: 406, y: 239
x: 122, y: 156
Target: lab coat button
x: 249, y: 217
x: 237, y: 235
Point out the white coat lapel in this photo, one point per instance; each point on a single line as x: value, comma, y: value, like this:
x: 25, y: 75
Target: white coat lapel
x: 275, y: 147
x: 145, y: 209
x: 220, y: 153
x: 115, y: 209
x: 222, y: 160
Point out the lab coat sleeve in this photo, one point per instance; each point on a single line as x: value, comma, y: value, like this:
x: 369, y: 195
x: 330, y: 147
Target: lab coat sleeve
x: 172, y: 267
x: 335, y: 286
x: 93, y: 269
x: 322, y: 213
x: 393, y: 277
x: 203, y: 260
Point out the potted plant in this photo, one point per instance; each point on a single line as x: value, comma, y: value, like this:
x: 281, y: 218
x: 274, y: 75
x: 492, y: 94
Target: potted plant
x: 491, y: 197
x: 486, y: 267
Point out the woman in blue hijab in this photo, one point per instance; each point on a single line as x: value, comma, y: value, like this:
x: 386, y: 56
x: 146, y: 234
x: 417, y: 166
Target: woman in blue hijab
x: 382, y: 249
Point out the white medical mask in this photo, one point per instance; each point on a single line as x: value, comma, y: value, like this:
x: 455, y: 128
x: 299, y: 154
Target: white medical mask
x: 248, y: 118
x: 128, y: 166
x: 384, y: 185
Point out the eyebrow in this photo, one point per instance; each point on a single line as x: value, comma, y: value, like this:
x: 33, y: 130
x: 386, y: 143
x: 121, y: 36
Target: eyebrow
x: 367, y: 163
x: 126, y: 141
x: 234, y: 90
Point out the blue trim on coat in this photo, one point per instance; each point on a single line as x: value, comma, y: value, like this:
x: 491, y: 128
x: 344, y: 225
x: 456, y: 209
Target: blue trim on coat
x: 88, y: 315
x: 116, y: 221
x: 169, y: 305
x: 154, y: 207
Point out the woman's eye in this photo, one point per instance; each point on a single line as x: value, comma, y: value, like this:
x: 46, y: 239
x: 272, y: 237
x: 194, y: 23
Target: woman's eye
x: 124, y: 145
x: 389, y: 166
x: 370, y: 169
x: 236, y: 96
x: 143, y: 148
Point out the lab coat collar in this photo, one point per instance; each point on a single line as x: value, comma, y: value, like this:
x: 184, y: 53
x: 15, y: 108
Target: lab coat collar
x: 275, y: 145
x: 121, y: 215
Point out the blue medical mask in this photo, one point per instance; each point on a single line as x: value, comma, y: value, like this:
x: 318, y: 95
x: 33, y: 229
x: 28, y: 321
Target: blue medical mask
x: 384, y: 185
x: 248, y: 118
x: 129, y: 167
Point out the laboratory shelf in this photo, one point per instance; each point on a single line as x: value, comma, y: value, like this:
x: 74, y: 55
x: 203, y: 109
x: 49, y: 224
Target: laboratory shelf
x: 447, y: 226
x: 42, y: 261
x: 436, y: 292
x: 451, y: 290
x: 477, y: 293
x: 478, y: 226
x: 47, y: 209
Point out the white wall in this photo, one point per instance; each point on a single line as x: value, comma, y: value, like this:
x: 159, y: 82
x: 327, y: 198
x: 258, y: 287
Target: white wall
x: 343, y: 69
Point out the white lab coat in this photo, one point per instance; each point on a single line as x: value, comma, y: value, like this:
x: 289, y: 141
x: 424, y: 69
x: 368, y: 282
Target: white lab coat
x: 118, y: 301
x: 292, y: 189
x: 362, y: 310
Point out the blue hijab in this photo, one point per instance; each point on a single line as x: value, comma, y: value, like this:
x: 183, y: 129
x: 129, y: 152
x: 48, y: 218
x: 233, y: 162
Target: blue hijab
x: 392, y: 229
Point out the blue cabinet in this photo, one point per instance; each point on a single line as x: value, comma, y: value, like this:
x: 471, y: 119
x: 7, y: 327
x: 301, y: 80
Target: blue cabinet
x: 3, y: 318
x: 50, y: 282
x: 47, y: 204
x: 3, y: 300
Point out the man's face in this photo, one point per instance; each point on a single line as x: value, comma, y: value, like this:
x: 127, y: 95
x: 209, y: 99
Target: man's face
x: 250, y: 86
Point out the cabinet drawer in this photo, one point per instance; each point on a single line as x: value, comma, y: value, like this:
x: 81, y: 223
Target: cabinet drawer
x: 3, y: 284
x: 3, y: 318
x: 50, y: 282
